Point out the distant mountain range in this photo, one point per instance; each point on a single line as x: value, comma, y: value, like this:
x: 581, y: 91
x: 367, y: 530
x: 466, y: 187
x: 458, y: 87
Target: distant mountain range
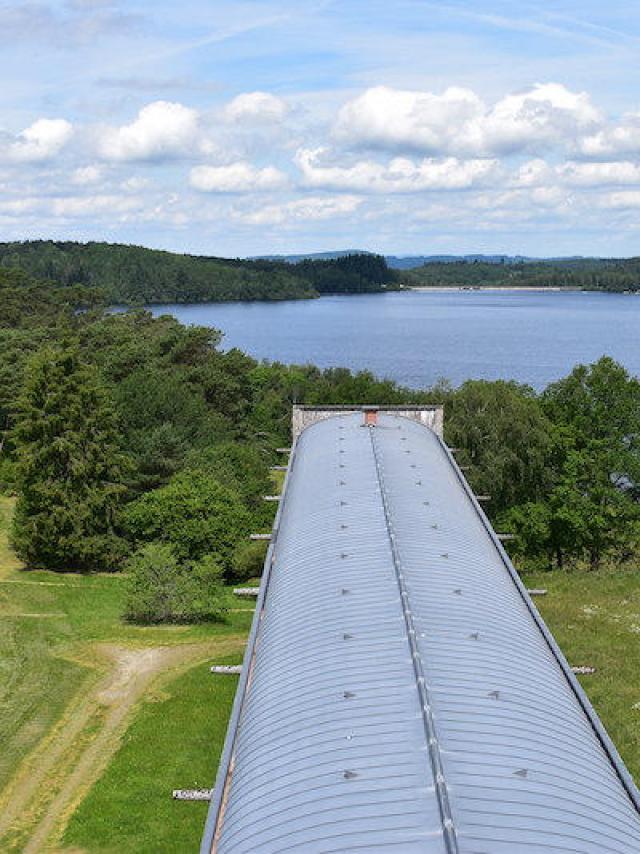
x: 409, y: 262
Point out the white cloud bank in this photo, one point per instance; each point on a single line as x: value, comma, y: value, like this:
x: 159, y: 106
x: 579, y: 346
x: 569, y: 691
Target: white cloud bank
x: 389, y: 159
x: 400, y: 175
x: 620, y: 139
x: 536, y: 173
x: 165, y: 130
x: 301, y: 210
x: 458, y: 122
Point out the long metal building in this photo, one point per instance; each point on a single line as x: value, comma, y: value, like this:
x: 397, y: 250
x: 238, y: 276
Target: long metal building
x: 400, y: 691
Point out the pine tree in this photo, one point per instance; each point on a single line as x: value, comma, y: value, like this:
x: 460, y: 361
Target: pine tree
x: 71, y: 469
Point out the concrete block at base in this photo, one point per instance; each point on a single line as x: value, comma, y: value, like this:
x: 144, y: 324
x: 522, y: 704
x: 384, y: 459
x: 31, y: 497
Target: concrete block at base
x: 192, y: 794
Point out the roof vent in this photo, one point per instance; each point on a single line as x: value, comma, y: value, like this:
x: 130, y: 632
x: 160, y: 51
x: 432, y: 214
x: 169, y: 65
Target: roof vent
x: 370, y: 416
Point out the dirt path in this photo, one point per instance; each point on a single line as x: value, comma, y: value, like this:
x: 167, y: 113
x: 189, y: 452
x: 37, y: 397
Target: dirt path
x: 51, y: 782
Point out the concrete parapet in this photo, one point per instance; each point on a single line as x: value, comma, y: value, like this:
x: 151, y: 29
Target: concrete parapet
x: 430, y: 416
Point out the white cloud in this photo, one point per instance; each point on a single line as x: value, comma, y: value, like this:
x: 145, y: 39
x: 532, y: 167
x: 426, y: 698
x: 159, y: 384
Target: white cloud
x: 85, y: 175
x: 71, y: 207
x: 79, y: 206
x: 394, y: 118
x: 538, y: 173
x: 622, y: 200
x: 399, y: 175
x: 623, y: 138
x: 39, y: 142
x: 19, y: 207
x: 545, y: 115
x: 533, y: 173
x: 549, y: 197
x: 302, y: 210
x: 240, y: 177
x: 599, y: 174
x: 256, y: 107
x: 458, y: 121
x: 161, y: 130
x: 135, y: 183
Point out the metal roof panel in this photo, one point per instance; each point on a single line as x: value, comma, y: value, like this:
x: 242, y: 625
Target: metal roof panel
x: 401, y: 691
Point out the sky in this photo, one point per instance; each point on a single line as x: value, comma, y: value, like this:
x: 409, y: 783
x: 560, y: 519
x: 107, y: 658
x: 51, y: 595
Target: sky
x: 238, y: 128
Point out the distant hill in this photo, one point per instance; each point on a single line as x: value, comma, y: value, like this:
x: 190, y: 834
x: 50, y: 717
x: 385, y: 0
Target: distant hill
x: 136, y: 275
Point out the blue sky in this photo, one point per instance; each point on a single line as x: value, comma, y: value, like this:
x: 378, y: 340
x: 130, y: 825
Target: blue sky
x: 238, y: 128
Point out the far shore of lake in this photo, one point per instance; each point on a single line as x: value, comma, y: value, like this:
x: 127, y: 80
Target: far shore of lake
x: 539, y: 290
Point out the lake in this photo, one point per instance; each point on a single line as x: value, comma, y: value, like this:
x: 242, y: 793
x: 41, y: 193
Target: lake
x: 417, y: 337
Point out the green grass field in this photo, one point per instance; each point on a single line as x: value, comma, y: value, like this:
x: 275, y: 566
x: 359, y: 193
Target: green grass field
x: 69, y: 665
x: 129, y: 808
x: 595, y: 617
x: 122, y: 714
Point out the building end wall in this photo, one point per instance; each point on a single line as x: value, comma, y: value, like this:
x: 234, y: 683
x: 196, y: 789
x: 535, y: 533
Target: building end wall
x: 429, y: 416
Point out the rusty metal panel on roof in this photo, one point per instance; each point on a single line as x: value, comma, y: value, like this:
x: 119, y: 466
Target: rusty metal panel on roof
x: 401, y: 692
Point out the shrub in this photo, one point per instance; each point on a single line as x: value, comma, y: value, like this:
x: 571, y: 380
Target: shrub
x: 162, y: 589
x: 196, y: 514
x: 248, y: 560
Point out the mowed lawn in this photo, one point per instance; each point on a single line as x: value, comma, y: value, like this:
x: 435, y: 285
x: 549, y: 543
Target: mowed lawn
x: 61, y: 641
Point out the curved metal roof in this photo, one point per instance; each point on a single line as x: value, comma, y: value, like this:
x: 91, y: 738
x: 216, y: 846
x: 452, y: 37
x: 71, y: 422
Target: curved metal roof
x: 400, y: 691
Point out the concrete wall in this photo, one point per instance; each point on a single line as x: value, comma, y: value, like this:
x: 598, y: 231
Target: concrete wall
x: 303, y: 416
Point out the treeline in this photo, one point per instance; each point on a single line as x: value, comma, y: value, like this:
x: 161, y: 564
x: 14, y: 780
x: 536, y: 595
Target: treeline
x: 135, y: 275
x: 585, y: 274
x: 348, y: 274
x: 137, y: 443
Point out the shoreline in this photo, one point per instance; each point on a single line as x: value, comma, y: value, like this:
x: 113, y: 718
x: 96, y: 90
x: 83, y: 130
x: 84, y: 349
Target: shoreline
x: 530, y: 288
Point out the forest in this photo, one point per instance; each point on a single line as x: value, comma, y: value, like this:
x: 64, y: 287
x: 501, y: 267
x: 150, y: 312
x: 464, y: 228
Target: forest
x: 140, y: 444
x: 134, y: 275
x: 590, y: 274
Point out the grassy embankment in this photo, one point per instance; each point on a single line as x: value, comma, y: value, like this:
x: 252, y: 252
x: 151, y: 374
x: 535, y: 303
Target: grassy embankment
x: 86, y: 698
x: 101, y: 720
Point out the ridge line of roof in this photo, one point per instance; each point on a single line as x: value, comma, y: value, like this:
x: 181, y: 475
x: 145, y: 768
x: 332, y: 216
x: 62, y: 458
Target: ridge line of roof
x: 431, y: 734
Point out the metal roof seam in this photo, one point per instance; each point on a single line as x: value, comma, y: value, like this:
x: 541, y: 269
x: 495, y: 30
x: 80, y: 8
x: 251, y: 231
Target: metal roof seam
x: 448, y: 825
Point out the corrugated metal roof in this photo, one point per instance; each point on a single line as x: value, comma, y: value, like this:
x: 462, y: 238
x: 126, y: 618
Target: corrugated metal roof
x: 400, y: 691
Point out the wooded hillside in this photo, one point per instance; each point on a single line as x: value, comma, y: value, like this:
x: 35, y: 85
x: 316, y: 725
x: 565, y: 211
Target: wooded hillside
x: 584, y: 274
x: 135, y: 275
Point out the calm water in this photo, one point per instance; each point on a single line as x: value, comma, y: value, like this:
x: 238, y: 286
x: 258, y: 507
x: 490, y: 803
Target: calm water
x: 417, y: 337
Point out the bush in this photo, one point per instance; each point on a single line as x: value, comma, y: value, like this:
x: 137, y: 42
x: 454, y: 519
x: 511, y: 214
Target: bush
x: 195, y: 514
x: 248, y: 560
x: 161, y: 589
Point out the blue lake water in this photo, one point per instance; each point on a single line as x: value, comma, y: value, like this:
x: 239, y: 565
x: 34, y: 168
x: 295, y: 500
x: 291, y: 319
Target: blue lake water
x: 417, y: 337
